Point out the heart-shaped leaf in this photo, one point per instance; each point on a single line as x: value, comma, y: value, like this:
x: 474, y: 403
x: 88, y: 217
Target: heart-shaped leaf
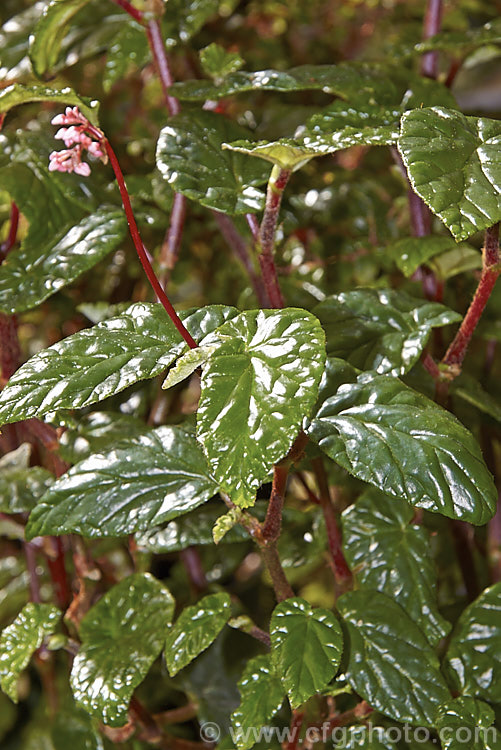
x: 391, y: 664
x: 121, y: 636
x: 468, y: 722
x: 257, y: 387
x: 195, y: 629
x: 306, y: 648
x: 261, y: 695
x: 389, y: 554
x: 474, y: 655
x: 454, y: 165
x: 380, y: 329
x: 191, y: 159
x: 20, y: 640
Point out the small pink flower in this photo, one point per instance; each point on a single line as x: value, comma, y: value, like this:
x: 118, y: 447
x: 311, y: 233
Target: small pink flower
x: 72, y: 116
x: 69, y: 160
x: 73, y: 135
x: 76, y: 141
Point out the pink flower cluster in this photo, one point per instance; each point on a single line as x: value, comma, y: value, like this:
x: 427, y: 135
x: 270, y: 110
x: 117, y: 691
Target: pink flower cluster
x: 77, y: 141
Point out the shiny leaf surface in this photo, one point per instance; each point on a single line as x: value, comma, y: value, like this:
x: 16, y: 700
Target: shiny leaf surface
x: 17, y: 94
x: 195, y: 629
x: 218, y: 62
x: 32, y: 274
x: 194, y: 529
x: 191, y: 159
x: 306, y: 648
x: 467, y: 723
x: 261, y: 695
x: 380, y: 329
x: 49, y: 33
x: 356, y: 81
x: 360, y: 738
x: 121, y: 636
x: 391, y: 664
x: 411, y: 252
x: 20, y: 640
x: 98, y: 362
x: 453, y: 162
x: 141, y: 482
x: 391, y: 436
x: 256, y: 390
x: 474, y: 655
x: 390, y: 555
x: 182, y: 19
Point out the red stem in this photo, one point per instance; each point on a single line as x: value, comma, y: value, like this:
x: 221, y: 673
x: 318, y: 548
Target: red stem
x: 490, y: 272
x: 58, y: 574
x: 138, y: 244
x: 157, y: 47
x: 31, y: 564
x: 241, y: 250
x: 253, y: 226
x: 194, y: 568
x: 295, y: 730
x: 136, y: 14
x: 11, y: 239
x: 273, y: 521
x: 170, y: 248
x: 335, y: 540
x: 266, y: 238
x: 432, y: 26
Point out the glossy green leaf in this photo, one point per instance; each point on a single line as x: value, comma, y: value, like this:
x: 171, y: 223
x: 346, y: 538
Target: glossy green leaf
x: 342, y: 125
x: 453, y: 164
x: 21, y: 485
x: 256, y: 390
x: 182, y: 19
x: 121, y: 636
x: 98, y: 362
x: 391, y: 664
x: 141, y: 482
x: 387, y: 553
x: 17, y: 94
x: 191, y: 159
x: 32, y: 274
x: 467, y: 723
x: 187, y: 364
x: 49, y: 33
x: 261, y: 695
x: 130, y: 46
x: 354, y: 80
x: 95, y: 432
x: 75, y: 729
x: 411, y: 252
x: 393, y: 437
x: 364, y: 738
x: 21, y: 488
x: 20, y: 640
x: 218, y: 62
x: 306, y: 648
x: 460, y: 259
x: 287, y: 153
x: 14, y: 36
x: 474, y: 655
x: 380, y: 329
x: 463, y: 41
x: 195, y: 629
x: 467, y: 388
x: 194, y: 529
x: 51, y: 202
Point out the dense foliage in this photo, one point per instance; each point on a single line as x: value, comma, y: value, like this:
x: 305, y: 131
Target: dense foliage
x: 250, y: 440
